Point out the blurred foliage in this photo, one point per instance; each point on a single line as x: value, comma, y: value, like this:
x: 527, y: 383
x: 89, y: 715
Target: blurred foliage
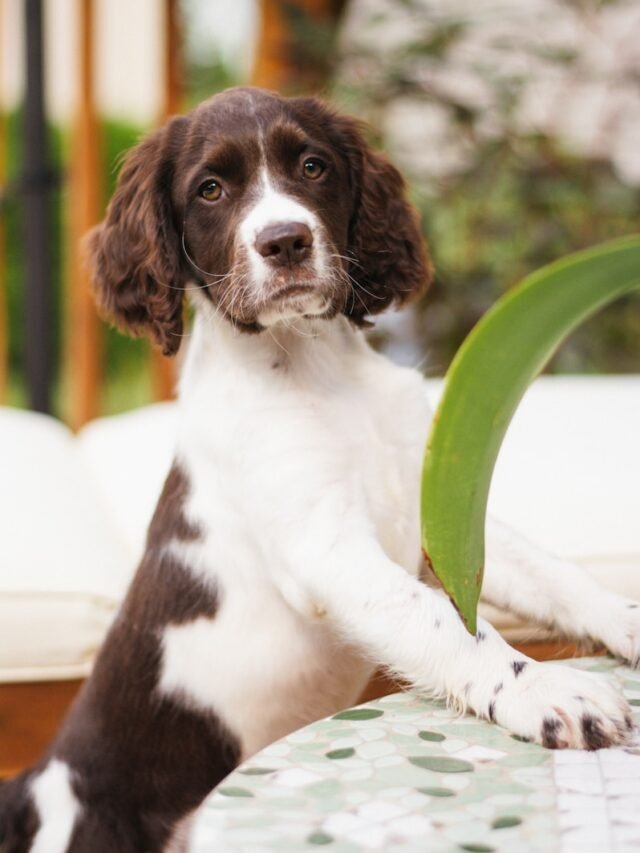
x: 202, y: 81
x: 123, y: 357
x: 522, y: 203
x: 518, y: 201
x: 127, y: 376
x: 514, y: 201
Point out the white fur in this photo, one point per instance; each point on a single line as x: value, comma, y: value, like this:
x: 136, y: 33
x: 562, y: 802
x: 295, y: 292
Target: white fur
x: 272, y: 208
x: 304, y: 452
x: 57, y: 808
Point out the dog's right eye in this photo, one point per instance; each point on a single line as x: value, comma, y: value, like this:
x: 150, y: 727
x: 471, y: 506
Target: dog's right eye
x: 312, y: 168
x: 210, y: 190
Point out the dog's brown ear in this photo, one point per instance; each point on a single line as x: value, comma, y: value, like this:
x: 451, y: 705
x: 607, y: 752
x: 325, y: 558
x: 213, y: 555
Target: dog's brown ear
x: 135, y: 254
x: 390, y: 259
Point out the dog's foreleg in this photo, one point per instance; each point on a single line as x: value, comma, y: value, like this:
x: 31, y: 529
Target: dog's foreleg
x: 414, y: 631
x: 531, y: 583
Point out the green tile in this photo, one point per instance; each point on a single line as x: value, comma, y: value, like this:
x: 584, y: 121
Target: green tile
x: 437, y: 792
x: 432, y: 736
x: 256, y: 771
x: 347, y: 752
x: 235, y: 792
x: 441, y: 763
x: 319, y: 838
x: 359, y: 714
x: 506, y: 822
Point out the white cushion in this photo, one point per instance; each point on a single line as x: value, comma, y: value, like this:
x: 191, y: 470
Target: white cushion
x: 74, y: 513
x: 127, y: 458
x: 568, y: 478
x: 74, y: 510
x: 61, y: 567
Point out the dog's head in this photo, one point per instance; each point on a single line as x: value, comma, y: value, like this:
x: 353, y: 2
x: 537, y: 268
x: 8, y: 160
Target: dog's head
x: 272, y: 207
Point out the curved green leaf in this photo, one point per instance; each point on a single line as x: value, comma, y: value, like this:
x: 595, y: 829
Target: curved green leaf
x: 484, y: 385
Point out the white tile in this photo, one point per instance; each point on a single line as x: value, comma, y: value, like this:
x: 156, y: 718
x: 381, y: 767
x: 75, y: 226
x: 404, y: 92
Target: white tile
x: 628, y: 801
x: 372, y: 733
x: 626, y: 834
x: 624, y: 815
x: 342, y: 742
x: 370, y: 838
x: 622, y: 771
x: 410, y: 826
x: 389, y: 761
x: 588, y: 835
x: 295, y: 778
x: 594, y: 821
x: 581, y: 786
x: 342, y: 822
x: 378, y: 811
x: 569, y: 774
x: 618, y: 757
x: 616, y: 787
x: 570, y: 802
x: 359, y: 774
x: 507, y: 799
x: 574, y: 757
x: 376, y: 749
x: 586, y: 847
x: 480, y: 753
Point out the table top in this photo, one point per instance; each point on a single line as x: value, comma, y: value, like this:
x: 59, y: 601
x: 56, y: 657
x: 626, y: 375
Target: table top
x: 405, y: 774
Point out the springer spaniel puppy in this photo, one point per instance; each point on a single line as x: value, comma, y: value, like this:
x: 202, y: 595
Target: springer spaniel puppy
x: 283, y: 561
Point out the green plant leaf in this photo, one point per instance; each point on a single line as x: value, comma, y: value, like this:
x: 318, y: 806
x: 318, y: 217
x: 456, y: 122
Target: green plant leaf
x: 484, y: 385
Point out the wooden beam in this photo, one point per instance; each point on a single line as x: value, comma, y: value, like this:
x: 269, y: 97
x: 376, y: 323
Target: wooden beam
x: 83, y: 332
x: 288, y: 59
x: 30, y: 714
x: 173, y: 70
x: 163, y: 369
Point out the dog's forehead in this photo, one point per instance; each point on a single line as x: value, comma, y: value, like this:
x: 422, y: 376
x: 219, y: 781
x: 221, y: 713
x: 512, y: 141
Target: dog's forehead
x: 254, y: 120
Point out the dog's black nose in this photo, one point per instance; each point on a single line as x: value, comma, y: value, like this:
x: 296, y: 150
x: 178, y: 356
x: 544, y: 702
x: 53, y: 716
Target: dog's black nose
x: 285, y: 244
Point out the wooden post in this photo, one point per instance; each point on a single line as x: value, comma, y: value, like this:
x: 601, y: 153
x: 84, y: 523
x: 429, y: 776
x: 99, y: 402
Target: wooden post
x: 163, y: 371
x: 83, y: 328
x: 283, y: 60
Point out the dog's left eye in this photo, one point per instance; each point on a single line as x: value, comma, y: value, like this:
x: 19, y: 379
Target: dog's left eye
x: 210, y: 190
x: 312, y: 168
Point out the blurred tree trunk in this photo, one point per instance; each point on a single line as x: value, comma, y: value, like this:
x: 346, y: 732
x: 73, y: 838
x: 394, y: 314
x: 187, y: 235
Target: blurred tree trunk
x: 163, y: 369
x: 83, y: 333
x: 296, y: 44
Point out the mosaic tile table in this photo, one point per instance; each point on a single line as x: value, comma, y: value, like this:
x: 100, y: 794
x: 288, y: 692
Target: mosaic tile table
x: 405, y: 775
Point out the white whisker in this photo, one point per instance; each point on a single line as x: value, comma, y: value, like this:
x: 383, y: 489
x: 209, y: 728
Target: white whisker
x: 218, y: 276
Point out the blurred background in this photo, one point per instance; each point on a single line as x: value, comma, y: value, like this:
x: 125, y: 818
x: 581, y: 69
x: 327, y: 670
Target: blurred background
x: 517, y: 125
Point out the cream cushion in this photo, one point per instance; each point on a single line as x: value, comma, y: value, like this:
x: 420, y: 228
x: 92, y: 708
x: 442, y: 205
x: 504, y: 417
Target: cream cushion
x: 568, y: 478
x: 73, y: 514
x: 73, y: 509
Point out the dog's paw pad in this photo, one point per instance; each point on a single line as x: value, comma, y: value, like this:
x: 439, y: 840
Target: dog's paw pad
x: 559, y: 707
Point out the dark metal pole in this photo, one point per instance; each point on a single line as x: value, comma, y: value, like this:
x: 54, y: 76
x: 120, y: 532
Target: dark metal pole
x: 37, y: 185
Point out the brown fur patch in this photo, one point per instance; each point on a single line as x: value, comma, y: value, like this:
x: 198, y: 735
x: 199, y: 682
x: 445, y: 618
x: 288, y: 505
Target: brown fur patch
x: 140, y: 760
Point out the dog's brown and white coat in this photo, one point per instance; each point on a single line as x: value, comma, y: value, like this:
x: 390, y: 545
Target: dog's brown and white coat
x: 282, y: 563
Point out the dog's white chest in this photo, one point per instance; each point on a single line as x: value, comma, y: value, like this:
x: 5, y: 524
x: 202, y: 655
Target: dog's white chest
x: 278, y: 460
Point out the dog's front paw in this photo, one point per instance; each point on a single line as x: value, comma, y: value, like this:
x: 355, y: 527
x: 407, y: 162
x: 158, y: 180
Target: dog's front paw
x: 560, y: 707
x: 618, y: 626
